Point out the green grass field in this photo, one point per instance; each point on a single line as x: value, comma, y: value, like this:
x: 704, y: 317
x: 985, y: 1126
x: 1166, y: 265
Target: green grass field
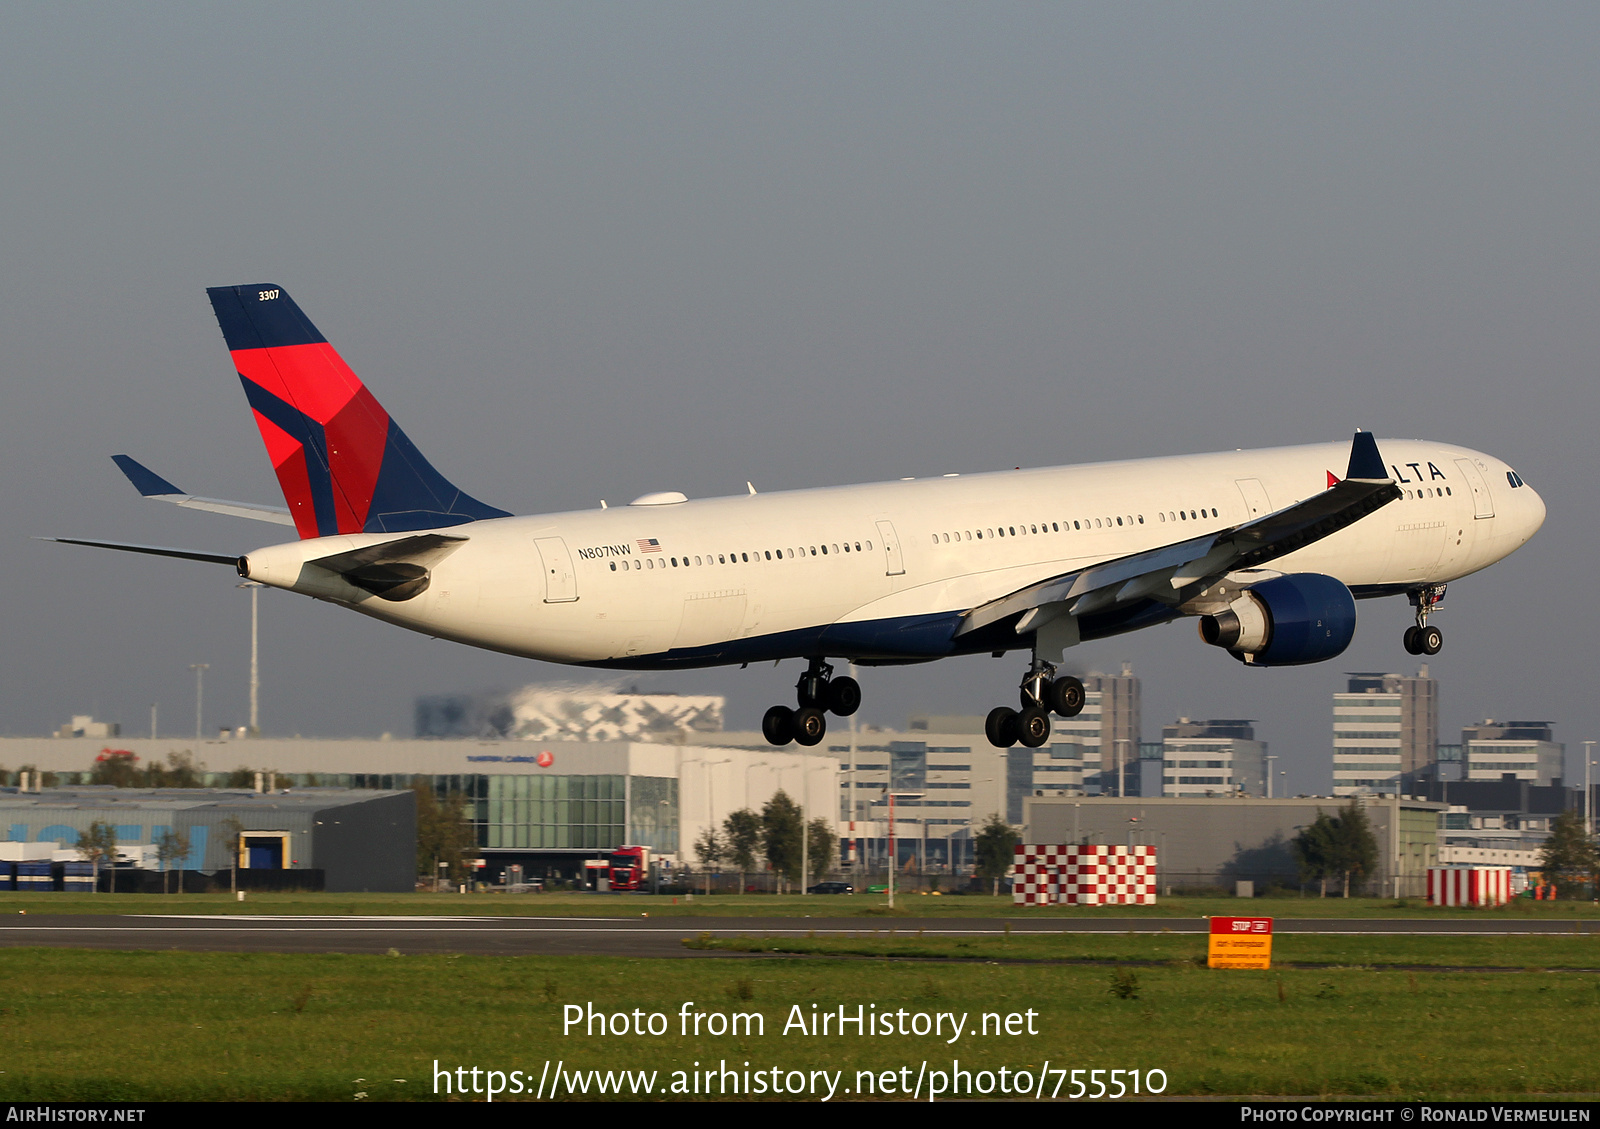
x: 756, y: 905
x: 143, y: 1026
x: 1538, y: 952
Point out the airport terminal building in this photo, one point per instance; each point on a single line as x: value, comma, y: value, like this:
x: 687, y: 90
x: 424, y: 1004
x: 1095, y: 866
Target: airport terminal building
x: 546, y: 806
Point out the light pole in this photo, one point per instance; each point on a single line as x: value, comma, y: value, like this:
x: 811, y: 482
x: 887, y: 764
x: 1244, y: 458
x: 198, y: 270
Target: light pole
x: 711, y: 824
x: 850, y: 789
x: 805, y: 831
x: 255, y: 655
x: 1121, y: 741
x: 1588, y: 759
x: 894, y: 860
x: 1269, y: 758
x: 747, y: 768
x: 199, y: 696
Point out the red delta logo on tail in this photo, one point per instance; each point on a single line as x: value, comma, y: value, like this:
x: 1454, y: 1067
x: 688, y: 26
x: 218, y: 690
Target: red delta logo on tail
x: 343, y: 464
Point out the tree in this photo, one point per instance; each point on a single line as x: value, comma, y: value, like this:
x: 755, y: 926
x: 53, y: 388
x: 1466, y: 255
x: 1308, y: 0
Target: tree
x: 1340, y: 846
x: 742, y: 834
x: 1569, y: 857
x: 97, y: 845
x: 1314, y: 850
x: 36, y: 779
x: 994, y: 849
x: 180, y: 771
x: 821, y: 843
x: 232, y: 841
x: 171, y: 845
x: 780, y: 835
x: 444, y: 834
x: 1356, y: 848
x: 710, y: 850
x: 117, y: 767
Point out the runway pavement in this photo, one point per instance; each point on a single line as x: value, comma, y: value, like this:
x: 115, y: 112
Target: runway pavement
x: 630, y: 937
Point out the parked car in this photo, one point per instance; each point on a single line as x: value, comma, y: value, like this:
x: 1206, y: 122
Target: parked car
x: 831, y: 888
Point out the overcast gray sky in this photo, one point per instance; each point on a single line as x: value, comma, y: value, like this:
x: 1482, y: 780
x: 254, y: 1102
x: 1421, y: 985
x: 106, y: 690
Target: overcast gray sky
x: 587, y: 251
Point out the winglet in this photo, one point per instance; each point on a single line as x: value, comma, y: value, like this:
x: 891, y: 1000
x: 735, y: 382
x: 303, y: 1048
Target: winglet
x: 144, y: 480
x: 1365, y: 462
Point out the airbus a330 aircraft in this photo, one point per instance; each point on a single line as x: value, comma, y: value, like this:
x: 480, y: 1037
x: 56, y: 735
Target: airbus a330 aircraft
x: 1268, y: 550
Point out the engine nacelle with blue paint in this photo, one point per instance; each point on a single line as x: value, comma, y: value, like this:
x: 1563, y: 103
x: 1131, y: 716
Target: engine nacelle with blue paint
x: 1286, y: 621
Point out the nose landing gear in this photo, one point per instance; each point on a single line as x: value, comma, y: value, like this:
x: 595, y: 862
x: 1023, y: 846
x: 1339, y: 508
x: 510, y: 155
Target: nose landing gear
x: 818, y: 693
x: 1422, y: 639
x: 1042, y: 694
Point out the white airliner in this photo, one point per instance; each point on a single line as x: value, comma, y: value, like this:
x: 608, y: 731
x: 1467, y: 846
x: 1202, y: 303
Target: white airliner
x: 1268, y: 550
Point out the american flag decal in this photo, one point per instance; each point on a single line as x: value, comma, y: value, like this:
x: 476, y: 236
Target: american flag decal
x: 649, y: 545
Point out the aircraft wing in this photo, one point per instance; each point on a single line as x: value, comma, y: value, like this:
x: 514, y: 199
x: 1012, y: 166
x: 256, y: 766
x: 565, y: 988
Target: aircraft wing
x: 1176, y: 572
x: 152, y: 485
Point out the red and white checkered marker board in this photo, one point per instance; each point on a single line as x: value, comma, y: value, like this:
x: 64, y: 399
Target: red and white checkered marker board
x: 1097, y: 875
x: 1469, y: 885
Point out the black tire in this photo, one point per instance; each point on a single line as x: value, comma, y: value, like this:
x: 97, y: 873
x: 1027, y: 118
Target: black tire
x: 778, y: 725
x: 1067, y: 696
x: 1430, y: 640
x: 1410, y: 640
x: 810, y: 726
x: 844, y: 696
x: 1033, y: 727
x: 1001, y: 727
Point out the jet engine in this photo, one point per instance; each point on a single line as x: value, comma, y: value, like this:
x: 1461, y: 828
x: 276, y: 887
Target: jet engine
x: 1286, y: 621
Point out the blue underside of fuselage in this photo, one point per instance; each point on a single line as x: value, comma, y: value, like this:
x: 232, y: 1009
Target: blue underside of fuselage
x: 903, y: 639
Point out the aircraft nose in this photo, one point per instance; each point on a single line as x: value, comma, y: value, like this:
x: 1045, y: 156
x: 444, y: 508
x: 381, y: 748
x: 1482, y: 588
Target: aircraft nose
x: 1533, y: 506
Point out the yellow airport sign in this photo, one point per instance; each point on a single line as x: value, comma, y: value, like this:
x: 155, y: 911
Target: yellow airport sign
x: 1240, y: 942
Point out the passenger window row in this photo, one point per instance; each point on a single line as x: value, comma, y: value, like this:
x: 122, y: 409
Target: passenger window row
x: 836, y: 548
x: 1066, y: 526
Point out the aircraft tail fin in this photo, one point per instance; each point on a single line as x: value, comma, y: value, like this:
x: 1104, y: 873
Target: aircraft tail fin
x: 343, y: 464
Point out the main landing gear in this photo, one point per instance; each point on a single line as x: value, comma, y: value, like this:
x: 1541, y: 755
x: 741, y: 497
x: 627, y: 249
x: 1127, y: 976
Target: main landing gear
x: 1042, y: 694
x: 818, y: 693
x: 1422, y: 639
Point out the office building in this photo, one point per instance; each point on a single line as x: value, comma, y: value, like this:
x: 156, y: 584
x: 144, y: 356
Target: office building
x: 1215, y: 842
x: 1219, y: 757
x: 1385, y: 728
x: 1518, y: 750
x: 1119, y: 721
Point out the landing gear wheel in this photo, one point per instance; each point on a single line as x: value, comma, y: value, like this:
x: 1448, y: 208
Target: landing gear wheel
x: 844, y: 696
x: 1033, y: 726
x: 1001, y: 727
x: 778, y: 725
x: 810, y: 725
x: 1429, y: 640
x: 1410, y: 640
x: 1066, y: 696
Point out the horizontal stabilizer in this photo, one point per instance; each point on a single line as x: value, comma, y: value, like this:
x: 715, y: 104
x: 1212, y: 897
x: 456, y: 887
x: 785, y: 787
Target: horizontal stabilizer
x: 153, y: 550
x: 426, y: 549
x: 152, y: 485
